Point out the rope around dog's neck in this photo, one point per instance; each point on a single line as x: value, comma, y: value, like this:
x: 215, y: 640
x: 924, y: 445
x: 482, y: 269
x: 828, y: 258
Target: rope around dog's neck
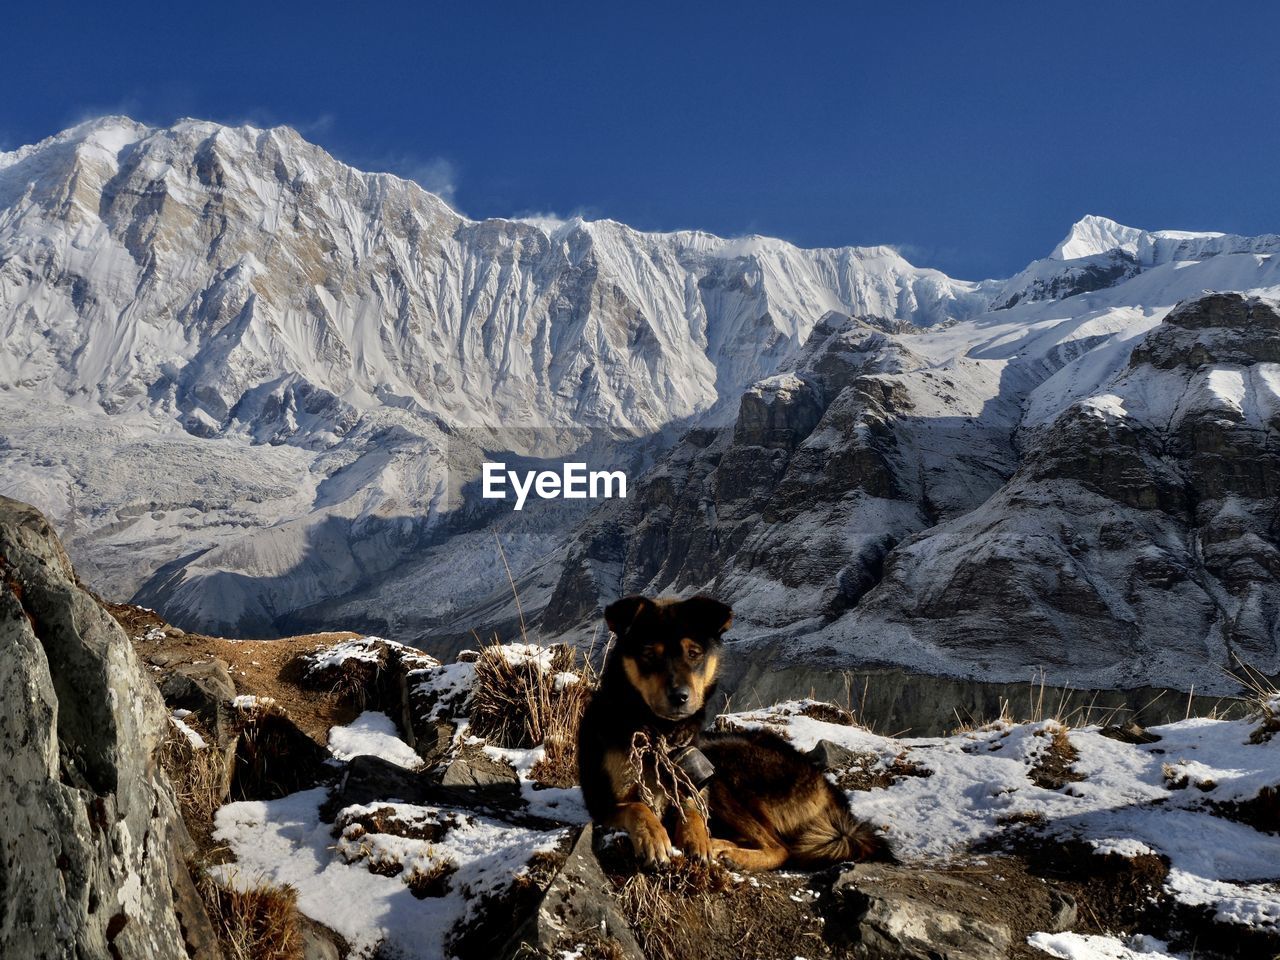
x: 673, y: 779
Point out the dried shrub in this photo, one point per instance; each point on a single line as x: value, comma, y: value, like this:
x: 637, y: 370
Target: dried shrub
x: 198, y: 775
x: 273, y: 758
x: 522, y: 702
x: 1263, y: 700
x: 1268, y: 714
x: 827, y: 713
x: 258, y: 922
x: 869, y: 772
x: 663, y: 908
x: 431, y: 880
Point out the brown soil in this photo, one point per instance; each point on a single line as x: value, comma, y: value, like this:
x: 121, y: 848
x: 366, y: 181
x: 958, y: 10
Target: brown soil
x: 264, y: 668
x: 828, y: 713
x: 1262, y: 812
x: 868, y: 773
x: 1052, y: 770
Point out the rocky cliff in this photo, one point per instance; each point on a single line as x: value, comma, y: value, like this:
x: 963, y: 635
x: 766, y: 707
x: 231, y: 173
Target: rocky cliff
x: 91, y: 846
x: 868, y: 508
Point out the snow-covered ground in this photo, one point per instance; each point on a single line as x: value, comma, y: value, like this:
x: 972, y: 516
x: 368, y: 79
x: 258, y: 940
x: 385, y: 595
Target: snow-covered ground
x: 372, y: 734
x: 941, y: 800
x: 284, y: 842
x: 1131, y: 799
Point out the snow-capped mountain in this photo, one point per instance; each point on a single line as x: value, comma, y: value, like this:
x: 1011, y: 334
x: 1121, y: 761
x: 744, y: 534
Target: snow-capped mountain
x: 331, y: 330
x: 1089, y: 487
x: 250, y: 381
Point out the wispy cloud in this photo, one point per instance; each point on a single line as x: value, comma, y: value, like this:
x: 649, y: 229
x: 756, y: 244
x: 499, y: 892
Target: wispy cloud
x: 438, y: 175
x: 550, y: 221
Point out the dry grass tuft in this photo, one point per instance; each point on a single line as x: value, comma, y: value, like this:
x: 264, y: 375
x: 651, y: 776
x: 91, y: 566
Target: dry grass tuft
x: 1053, y: 767
x: 663, y: 906
x: 514, y: 698
x: 519, y: 702
x: 198, y: 774
x: 1041, y: 707
x: 259, y: 922
x: 869, y: 772
x: 1175, y: 777
x: 589, y: 945
x: 827, y: 713
x: 1264, y: 699
x: 431, y: 880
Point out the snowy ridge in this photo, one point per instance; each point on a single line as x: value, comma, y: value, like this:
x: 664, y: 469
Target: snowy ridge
x: 284, y: 370
x: 1093, y: 235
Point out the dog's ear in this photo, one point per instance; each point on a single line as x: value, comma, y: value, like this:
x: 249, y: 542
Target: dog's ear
x: 710, y: 618
x: 621, y: 614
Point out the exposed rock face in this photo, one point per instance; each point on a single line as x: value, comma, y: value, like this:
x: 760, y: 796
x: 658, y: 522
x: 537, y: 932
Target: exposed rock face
x: 1141, y: 526
x: 789, y: 513
x: 869, y: 508
x: 89, y: 836
x: 576, y: 901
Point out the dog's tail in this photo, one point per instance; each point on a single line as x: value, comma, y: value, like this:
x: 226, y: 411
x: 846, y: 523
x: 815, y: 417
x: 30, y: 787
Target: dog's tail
x: 836, y: 836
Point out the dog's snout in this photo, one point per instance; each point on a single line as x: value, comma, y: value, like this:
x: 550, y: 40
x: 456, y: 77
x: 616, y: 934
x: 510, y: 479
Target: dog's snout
x: 679, y: 696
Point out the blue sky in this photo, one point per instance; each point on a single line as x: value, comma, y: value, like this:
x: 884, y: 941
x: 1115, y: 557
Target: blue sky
x: 970, y: 134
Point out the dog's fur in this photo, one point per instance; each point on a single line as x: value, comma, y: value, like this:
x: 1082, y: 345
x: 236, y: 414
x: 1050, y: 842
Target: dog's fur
x: 767, y: 804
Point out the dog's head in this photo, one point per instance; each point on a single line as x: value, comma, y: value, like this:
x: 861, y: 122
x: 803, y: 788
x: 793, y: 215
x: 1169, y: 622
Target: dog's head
x: 670, y: 650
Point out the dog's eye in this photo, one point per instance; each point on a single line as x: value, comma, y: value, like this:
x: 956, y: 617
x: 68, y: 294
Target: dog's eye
x: 695, y: 653
x: 650, y: 656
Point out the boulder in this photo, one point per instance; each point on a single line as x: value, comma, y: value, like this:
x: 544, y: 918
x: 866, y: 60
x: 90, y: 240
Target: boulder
x: 901, y: 913
x: 832, y: 756
x: 576, y: 903
x: 89, y: 841
x: 474, y: 771
x: 371, y: 779
x: 206, y: 689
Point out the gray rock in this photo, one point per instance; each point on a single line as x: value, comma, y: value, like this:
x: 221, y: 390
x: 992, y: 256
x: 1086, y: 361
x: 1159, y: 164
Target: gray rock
x: 88, y: 861
x: 575, y: 902
x: 832, y: 756
x: 433, y: 739
x: 206, y: 689
x: 318, y: 943
x: 1063, y: 911
x: 884, y: 918
x: 472, y: 769
x: 373, y: 780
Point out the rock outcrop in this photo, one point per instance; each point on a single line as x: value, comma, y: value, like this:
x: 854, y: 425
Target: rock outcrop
x: 789, y: 513
x: 91, y: 845
x: 1141, y: 526
x: 868, y: 509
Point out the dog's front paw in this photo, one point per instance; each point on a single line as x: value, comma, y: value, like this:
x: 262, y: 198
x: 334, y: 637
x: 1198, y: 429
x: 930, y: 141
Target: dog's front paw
x: 648, y: 837
x: 692, y: 836
x: 651, y: 843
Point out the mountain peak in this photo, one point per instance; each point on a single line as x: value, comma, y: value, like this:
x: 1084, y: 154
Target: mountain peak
x: 1092, y: 235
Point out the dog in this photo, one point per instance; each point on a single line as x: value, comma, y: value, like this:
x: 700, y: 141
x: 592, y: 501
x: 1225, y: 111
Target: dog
x: 646, y: 763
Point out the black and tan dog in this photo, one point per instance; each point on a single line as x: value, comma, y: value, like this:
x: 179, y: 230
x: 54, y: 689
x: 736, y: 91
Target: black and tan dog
x: 645, y: 762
